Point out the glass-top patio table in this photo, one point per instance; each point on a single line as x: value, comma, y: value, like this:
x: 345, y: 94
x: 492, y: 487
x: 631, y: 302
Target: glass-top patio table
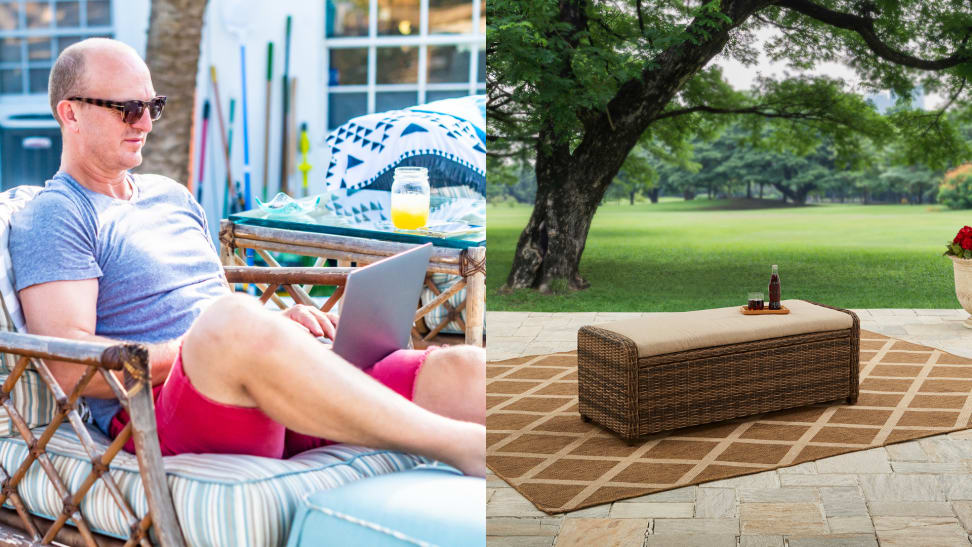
x: 459, y: 251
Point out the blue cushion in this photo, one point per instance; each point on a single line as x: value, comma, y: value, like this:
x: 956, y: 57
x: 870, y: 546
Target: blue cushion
x: 430, y: 505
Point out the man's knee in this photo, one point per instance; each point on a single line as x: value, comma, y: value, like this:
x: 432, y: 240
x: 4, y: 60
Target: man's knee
x: 452, y: 382
x: 463, y: 362
x: 233, y: 323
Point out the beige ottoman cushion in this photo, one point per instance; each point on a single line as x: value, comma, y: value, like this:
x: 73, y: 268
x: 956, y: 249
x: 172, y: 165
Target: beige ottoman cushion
x: 683, y: 331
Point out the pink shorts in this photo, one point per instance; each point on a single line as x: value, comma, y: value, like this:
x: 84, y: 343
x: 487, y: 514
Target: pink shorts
x: 190, y: 422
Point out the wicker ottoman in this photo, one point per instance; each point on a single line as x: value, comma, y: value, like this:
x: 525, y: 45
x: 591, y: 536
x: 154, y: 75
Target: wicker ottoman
x: 642, y: 376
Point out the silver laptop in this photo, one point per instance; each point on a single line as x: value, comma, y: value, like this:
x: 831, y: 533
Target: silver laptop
x: 380, y: 301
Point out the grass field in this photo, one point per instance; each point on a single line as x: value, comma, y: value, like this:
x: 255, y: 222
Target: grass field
x: 679, y: 255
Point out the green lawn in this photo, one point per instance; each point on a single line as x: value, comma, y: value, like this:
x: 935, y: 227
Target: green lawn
x: 680, y: 255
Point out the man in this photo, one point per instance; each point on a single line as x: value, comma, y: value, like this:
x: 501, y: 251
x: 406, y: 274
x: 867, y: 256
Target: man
x: 102, y: 254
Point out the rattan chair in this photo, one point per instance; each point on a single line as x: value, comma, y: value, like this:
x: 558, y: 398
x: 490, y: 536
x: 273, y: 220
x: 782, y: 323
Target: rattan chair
x: 159, y: 523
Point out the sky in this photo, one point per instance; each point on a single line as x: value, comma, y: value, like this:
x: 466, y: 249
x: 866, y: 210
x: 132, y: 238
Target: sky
x: 742, y: 77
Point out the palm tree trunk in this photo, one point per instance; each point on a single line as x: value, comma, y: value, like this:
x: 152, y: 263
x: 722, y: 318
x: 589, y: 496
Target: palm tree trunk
x: 172, y: 54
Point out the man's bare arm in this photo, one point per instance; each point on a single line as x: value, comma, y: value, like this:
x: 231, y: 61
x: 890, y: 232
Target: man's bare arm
x: 67, y: 309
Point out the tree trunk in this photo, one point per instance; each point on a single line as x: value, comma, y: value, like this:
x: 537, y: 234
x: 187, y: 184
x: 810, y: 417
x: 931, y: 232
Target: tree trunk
x: 549, y: 250
x: 798, y: 195
x: 172, y: 54
x: 653, y: 195
x: 632, y: 196
x: 761, y: 190
x: 688, y: 194
x: 749, y: 189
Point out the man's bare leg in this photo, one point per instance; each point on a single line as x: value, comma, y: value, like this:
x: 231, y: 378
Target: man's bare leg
x: 452, y: 382
x: 240, y: 354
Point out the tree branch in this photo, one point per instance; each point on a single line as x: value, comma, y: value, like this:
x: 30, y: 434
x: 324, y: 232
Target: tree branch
x: 864, y: 27
x: 748, y: 110
x: 759, y: 110
x: 941, y: 111
x: 780, y: 26
x: 641, y: 19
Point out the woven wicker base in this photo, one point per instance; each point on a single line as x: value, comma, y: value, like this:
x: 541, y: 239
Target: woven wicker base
x: 635, y: 396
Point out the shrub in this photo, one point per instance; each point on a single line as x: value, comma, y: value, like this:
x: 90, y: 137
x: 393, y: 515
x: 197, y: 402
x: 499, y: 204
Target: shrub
x: 955, y: 190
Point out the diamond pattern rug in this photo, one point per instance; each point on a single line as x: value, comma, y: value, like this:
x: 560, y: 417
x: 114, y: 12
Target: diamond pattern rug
x: 537, y: 442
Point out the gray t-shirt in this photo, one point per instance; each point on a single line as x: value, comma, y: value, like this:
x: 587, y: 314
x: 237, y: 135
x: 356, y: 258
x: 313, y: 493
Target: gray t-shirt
x: 156, y: 266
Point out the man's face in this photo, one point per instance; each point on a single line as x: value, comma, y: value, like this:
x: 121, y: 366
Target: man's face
x: 107, y: 142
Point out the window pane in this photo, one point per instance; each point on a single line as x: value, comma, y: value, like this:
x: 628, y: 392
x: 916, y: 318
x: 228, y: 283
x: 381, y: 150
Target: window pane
x: 450, y: 16
x: 10, y: 50
x: 446, y: 94
x: 99, y: 12
x: 341, y: 107
x: 65, y: 41
x: 39, y: 49
x: 482, y: 64
x: 67, y: 14
x: 38, y: 14
x: 482, y: 17
x: 348, y: 67
x: 10, y: 81
x: 346, y: 18
x: 38, y: 79
x: 398, y: 17
x: 9, y: 16
x: 448, y: 64
x: 395, y: 100
x: 397, y: 65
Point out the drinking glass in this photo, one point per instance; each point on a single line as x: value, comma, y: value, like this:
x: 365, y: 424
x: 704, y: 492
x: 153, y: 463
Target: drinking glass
x: 755, y: 301
x: 410, y: 198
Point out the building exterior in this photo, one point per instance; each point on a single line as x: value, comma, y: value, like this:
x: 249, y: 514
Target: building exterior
x: 32, y: 33
x: 387, y: 54
x: 348, y: 57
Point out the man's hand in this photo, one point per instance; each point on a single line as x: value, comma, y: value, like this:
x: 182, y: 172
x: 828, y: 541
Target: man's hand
x: 314, y: 320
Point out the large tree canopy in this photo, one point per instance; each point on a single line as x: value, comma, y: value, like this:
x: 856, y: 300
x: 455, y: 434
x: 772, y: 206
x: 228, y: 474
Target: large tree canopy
x: 580, y: 83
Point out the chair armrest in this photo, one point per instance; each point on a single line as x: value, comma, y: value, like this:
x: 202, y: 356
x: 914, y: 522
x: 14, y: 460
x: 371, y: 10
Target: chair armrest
x: 135, y: 395
x: 63, y: 349
x: 287, y: 276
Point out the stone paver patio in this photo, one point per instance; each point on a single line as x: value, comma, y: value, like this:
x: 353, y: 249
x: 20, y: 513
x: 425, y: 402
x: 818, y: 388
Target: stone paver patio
x: 917, y: 493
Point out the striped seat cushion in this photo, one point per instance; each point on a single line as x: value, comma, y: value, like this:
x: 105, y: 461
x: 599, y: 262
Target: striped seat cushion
x: 219, y: 499
x: 443, y: 282
x: 30, y: 396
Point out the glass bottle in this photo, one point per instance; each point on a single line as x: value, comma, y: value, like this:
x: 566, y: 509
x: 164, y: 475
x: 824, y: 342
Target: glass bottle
x: 774, y: 289
x: 410, y: 198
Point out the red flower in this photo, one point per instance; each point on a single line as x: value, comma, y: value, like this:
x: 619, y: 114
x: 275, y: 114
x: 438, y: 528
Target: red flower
x: 967, y: 243
x: 965, y: 232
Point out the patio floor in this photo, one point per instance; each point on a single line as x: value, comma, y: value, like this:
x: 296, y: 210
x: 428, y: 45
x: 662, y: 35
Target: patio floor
x: 913, y: 493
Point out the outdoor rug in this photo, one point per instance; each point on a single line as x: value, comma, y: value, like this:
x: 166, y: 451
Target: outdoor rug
x: 537, y: 442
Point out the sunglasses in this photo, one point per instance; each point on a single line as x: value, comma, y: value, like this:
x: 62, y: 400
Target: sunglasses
x: 131, y: 110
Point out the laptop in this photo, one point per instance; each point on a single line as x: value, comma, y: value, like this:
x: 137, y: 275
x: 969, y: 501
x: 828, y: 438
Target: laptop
x: 380, y: 301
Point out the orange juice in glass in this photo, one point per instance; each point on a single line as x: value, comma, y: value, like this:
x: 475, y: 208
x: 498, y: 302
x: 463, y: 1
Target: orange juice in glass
x: 410, y: 198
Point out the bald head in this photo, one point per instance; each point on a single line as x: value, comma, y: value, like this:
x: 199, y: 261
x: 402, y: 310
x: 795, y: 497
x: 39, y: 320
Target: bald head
x: 75, y: 66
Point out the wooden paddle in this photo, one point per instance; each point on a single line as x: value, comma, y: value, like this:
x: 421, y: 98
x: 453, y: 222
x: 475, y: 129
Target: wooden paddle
x: 284, y: 185
x: 266, y: 121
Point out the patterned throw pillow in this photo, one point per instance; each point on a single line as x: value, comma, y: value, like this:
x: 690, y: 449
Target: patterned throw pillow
x: 30, y: 395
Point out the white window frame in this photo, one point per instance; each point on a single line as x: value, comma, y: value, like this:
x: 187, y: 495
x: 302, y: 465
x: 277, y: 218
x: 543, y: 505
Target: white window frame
x: 52, y: 31
x: 475, y: 41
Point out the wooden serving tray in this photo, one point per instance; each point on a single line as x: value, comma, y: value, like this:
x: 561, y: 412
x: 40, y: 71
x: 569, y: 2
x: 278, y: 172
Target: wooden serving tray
x: 765, y: 311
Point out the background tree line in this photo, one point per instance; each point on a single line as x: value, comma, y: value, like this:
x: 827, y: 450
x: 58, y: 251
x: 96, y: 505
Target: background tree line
x: 731, y: 166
